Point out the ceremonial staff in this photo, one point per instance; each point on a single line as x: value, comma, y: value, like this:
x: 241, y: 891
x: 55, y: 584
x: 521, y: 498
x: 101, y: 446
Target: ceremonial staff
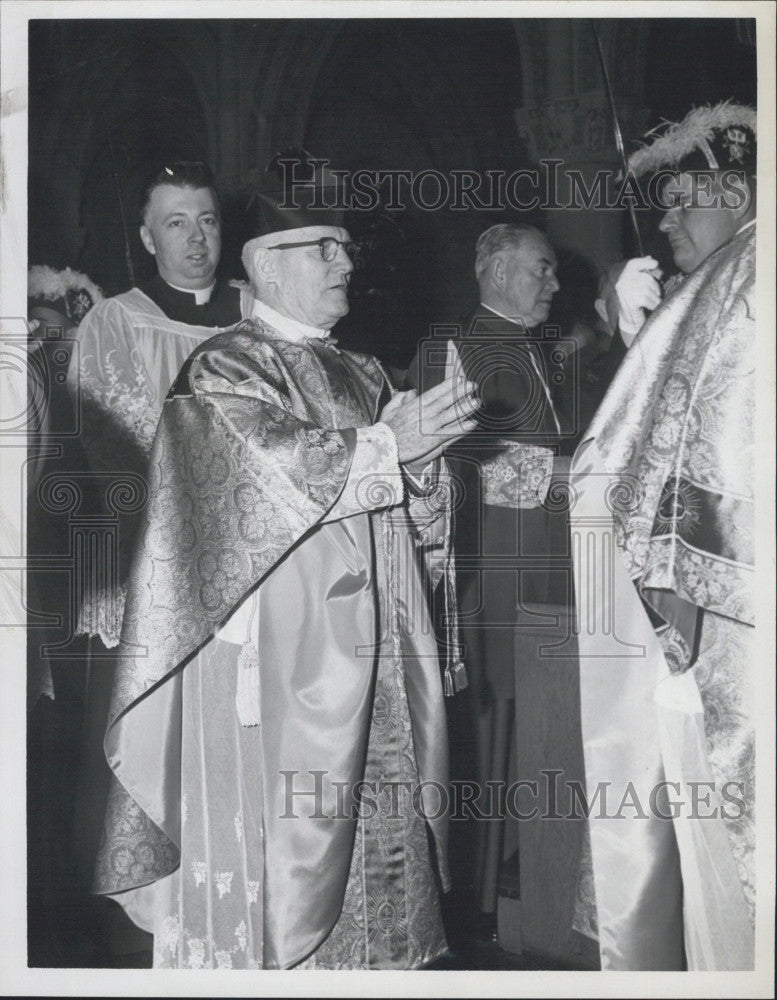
x: 618, y: 134
x: 127, y: 253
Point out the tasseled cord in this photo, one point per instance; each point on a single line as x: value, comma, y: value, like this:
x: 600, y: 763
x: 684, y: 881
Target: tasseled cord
x: 455, y: 675
x: 247, y: 686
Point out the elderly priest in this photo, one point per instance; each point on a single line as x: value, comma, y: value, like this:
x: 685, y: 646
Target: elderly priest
x: 277, y: 731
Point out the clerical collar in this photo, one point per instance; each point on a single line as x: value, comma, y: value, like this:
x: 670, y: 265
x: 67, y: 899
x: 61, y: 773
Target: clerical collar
x: 516, y: 322
x: 201, y: 295
x: 290, y: 329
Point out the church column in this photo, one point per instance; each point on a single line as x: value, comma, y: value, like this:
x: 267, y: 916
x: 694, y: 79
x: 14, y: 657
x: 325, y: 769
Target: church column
x: 226, y: 158
x: 566, y: 117
x: 559, y: 58
x: 577, y: 130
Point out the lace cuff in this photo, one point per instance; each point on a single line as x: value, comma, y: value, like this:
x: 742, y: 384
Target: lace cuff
x: 374, y: 480
x: 519, y: 476
x: 101, y: 615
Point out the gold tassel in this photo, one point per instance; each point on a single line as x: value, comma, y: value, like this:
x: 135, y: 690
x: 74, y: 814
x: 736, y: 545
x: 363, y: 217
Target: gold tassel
x: 247, y: 685
x: 460, y: 680
x: 247, y: 692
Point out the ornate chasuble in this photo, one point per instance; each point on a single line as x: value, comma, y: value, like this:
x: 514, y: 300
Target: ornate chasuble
x: 667, y: 664
x: 252, y: 835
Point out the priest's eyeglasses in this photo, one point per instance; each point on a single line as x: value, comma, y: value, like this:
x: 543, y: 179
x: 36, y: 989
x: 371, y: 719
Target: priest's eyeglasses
x: 327, y: 245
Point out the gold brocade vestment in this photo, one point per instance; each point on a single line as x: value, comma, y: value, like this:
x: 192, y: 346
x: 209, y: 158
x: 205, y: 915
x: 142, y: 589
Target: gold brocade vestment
x: 662, y: 533
x: 251, y: 838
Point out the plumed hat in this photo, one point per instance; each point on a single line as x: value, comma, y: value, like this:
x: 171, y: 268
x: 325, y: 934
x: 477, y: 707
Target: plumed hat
x: 296, y: 190
x: 70, y: 292
x: 718, y: 137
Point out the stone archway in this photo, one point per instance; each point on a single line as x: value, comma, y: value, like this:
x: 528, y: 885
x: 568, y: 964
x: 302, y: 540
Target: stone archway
x: 127, y: 139
x: 137, y: 98
x: 404, y: 95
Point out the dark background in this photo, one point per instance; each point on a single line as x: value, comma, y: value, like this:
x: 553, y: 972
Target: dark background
x: 109, y: 98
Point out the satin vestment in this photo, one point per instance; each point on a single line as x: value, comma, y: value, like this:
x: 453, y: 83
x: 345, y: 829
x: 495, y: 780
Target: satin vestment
x: 662, y: 528
x: 245, y: 845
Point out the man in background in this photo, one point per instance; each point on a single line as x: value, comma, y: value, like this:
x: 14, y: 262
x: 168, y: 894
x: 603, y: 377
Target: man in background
x: 510, y: 547
x: 127, y: 352
x: 129, y: 348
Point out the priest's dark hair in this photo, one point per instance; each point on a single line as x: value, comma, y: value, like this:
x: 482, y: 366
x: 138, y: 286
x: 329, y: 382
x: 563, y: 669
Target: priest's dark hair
x: 180, y: 173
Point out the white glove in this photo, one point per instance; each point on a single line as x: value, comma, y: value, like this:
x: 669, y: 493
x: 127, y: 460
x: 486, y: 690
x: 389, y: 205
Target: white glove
x: 638, y: 290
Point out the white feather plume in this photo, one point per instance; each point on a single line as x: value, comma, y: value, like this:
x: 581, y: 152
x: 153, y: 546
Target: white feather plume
x: 682, y: 138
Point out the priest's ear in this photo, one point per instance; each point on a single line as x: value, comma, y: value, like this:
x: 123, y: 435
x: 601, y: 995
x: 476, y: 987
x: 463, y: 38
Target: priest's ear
x: 751, y: 186
x: 148, y: 239
x: 739, y: 195
x: 497, y: 270
x: 260, y: 263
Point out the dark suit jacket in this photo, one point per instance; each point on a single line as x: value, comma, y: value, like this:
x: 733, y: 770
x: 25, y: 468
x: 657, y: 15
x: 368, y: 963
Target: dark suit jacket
x: 506, y: 558
x: 595, y: 376
x: 223, y: 308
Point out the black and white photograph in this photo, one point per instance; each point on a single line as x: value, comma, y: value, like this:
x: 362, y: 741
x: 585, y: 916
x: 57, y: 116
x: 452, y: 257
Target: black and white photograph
x: 387, y: 407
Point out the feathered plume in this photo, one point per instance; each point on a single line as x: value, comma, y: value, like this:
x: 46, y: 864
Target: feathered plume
x: 45, y: 282
x: 696, y: 131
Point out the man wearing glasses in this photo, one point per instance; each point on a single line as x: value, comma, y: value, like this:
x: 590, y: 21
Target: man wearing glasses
x: 277, y: 728
x: 296, y: 283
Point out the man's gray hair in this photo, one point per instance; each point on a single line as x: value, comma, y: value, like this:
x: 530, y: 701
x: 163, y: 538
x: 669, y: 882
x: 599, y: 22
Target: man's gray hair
x: 503, y: 236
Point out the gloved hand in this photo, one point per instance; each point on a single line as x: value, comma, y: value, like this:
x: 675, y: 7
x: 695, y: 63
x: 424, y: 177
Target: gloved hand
x: 638, y: 291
